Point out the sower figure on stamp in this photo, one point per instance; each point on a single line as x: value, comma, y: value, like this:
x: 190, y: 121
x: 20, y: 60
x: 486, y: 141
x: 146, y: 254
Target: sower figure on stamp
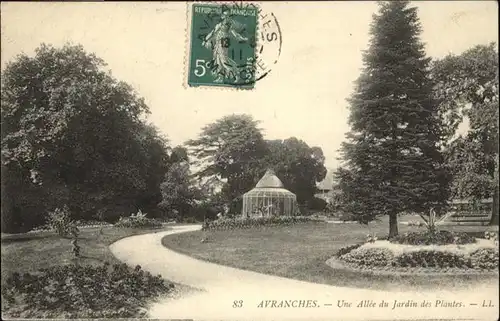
x: 218, y: 40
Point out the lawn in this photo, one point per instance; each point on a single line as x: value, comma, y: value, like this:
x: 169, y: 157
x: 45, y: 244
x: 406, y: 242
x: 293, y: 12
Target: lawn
x: 300, y: 251
x: 31, y: 252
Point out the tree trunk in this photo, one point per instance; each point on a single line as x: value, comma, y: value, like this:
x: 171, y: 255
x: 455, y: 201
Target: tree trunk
x: 393, y: 225
x: 494, y: 208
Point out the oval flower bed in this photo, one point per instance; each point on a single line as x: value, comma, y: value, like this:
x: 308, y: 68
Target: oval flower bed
x: 383, y: 256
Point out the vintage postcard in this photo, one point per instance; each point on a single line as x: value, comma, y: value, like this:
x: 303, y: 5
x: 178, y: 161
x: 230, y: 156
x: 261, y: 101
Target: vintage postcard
x: 234, y: 160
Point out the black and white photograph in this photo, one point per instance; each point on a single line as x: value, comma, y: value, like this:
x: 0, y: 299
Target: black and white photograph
x: 245, y: 160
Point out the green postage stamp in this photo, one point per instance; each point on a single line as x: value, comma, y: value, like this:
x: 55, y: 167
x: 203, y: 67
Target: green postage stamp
x: 222, y: 45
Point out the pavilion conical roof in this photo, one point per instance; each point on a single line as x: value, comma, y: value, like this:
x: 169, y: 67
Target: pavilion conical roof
x: 269, y: 180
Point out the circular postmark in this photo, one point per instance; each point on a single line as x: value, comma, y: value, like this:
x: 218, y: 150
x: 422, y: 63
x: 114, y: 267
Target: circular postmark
x: 268, y: 44
x: 244, y: 42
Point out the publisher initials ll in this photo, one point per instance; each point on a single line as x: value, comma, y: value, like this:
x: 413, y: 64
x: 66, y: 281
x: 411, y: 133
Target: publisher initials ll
x: 487, y: 304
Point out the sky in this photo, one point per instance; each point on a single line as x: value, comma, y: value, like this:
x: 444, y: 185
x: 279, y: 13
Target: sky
x: 144, y: 44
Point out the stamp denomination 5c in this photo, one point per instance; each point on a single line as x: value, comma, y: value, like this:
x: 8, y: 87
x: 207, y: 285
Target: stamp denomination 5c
x: 222, y: 45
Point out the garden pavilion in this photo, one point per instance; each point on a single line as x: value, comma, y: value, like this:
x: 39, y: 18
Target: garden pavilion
x: 269, y: 198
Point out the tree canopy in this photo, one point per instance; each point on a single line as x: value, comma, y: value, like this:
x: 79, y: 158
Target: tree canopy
x: 467, y: 88
x: 179, y: 192
x: 299, y: 166
x: 230, y: 149
x: 73, y: 134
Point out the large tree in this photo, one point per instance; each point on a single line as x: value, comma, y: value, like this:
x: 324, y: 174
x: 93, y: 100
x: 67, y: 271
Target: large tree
x: 231, y: 149
x: 178, y: 191
x: 467, y: 87
x: 298, y: 166
x: 73, y: 134
x: 392, y: 157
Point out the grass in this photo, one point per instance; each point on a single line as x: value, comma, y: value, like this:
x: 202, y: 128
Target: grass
x: 300, y: 251
x: 27, y: 253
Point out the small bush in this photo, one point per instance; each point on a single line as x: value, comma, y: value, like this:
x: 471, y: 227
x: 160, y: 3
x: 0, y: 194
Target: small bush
x: 437, y: 238
x: 371, y: 238
x: 138, y: 220
x: 486, y: 259
x: 491, y: 235
x: 347, y: 217
x: 429, y: 258
x: 317, y: 204
x: 369, y: 257
x: 241, y: 223
x: 206, y: 210
x: 81, y: 292
x: 60, y: 221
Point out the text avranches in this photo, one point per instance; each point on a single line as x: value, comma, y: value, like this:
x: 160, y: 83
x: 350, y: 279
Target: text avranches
x: 288, y: 304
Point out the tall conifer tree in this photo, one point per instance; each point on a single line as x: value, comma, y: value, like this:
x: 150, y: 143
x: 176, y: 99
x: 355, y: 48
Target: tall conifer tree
x: 392, y: 158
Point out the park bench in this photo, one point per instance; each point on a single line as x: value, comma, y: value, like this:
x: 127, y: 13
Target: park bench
x: 464, y: 212
x: 470, y: 218
x: 467, y: 214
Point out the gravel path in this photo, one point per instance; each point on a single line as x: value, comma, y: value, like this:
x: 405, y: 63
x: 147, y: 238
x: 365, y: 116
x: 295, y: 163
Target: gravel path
x: 224, y: 289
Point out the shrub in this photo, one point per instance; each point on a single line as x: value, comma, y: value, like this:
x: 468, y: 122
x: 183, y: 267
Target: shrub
x: 206, y: 210
x: 60, y: 221
x: 79, y: 224
x: 317, y: 204
x: 236, y: 205
x: 432, y: 221
x: 493, y: 236
x: 75, y: 248
x: 371, y: 238
x: 91, y: 223
x: 20, y: 219
x: 241, y: 223
x: 486, y: 259
x: 81, y: 292
x: 112, y: 213
x: 138, y: 220
x: 348, y: 217
x: 429, y: 258
x: 437, y: 238
x: 369, y: 257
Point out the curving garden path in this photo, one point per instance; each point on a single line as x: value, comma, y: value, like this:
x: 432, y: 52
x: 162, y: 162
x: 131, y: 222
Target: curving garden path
x: 223, y: 285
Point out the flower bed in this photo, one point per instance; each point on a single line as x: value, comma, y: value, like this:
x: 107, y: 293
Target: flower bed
x: 138, y: 220
x: 437, y: 238
x: 481, y: 255
x: 369, y: 257
x: 243, y: 223
x: 74, y: 291
x: 486, y: 259
x: 347, y: 249
x: 92, y: 224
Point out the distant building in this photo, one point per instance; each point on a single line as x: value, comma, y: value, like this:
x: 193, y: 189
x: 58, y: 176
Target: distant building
x: 325, y: 188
